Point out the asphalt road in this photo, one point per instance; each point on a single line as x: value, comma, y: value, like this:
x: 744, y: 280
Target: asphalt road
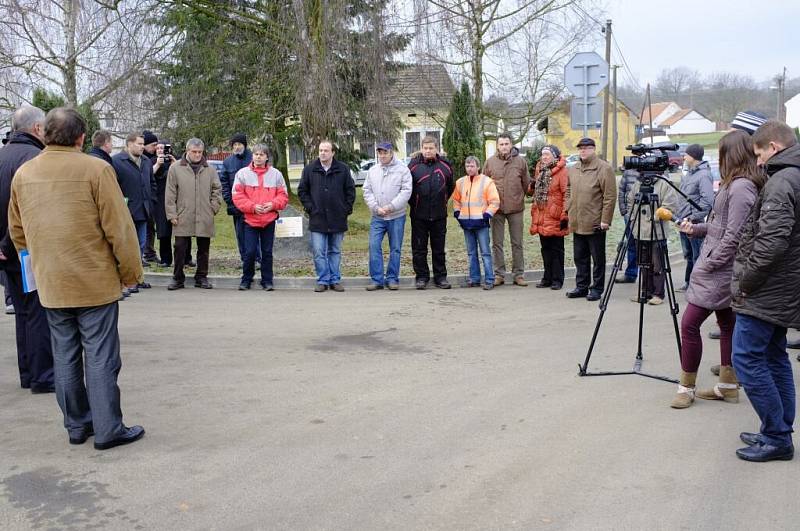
x: 457, y: 409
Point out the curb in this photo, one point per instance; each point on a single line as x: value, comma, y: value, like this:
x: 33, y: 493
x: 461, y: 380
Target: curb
x: 299, y: 283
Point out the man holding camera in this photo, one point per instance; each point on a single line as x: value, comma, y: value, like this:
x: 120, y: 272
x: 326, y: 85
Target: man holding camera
x: 592, y: 196
x: 162, y: 158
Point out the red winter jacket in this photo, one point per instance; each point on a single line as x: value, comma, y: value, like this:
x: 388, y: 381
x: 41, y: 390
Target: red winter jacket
x: 255, y: 186
x: 545, y: 219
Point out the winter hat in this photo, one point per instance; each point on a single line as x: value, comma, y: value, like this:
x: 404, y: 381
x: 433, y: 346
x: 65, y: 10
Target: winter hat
x: 239, y: 137
x: 695, y: 151
x: 586, y: 141
x: 149, y: 137
x: 553, y: 150
x: 748, y: 121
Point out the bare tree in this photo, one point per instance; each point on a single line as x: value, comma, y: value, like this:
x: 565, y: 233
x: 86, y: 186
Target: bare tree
x: 727, y: 93
x: 677, y: 84
x: 515, y: 49
x: 84, y: 50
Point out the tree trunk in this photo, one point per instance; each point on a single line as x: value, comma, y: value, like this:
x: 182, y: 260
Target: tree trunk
x: 69, y: 69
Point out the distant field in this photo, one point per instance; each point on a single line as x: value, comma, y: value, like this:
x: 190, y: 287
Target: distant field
x: 707, y: 140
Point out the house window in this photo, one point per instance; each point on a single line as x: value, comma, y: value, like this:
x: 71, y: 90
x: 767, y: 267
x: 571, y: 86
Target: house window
x: 412, y: 143
x: 296, y: 153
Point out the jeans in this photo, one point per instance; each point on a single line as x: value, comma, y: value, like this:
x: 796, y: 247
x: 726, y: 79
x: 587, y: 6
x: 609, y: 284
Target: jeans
x: 764, y: 370
x: 327, y: 256
x: 141, y: 235
x: 691, y: 253
x: 632, y: 270
x: 254, y: 239
x: 238, y: 227
x: 378, y: 228
x: 474, y: 238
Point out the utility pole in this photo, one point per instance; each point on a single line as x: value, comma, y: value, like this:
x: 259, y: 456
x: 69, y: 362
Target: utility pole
x: 782, y: 97
x: 615, y: 134
x: 604, y: 141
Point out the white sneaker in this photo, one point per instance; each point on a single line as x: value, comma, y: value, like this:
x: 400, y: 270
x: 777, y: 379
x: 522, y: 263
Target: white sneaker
x: 10, y: 309
x: 655, y: 301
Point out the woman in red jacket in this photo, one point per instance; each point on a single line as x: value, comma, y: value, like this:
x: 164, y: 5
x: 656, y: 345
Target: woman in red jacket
x: 259, y: 191
x: 548, y: 187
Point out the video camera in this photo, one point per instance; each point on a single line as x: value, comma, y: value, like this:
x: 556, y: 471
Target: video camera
x: 649, y: 158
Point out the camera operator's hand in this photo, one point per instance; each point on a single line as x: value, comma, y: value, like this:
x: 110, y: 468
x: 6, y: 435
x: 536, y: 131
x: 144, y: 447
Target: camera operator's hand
x: 687, y: 227
x: 603, y: 226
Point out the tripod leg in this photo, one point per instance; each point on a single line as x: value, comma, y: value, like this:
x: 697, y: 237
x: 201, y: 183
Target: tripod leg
x: 670, y: 285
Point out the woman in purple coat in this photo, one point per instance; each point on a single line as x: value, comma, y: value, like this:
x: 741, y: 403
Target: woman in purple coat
x: 710, y: 285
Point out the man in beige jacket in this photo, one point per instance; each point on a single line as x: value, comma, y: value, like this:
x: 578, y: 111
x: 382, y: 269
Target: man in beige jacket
x: 592, y: 196
x: 509, y: 171
x: 68, y: 213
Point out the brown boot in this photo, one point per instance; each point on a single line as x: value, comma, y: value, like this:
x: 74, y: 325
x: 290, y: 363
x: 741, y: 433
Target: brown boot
x: 727, y: 388
x: 685, y: 395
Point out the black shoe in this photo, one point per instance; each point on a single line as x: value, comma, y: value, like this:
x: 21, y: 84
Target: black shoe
x: 543, y: 284
x: 132, y: 434
x: 190, y: 264
x: 556, y: 286
x: 337, y: 287
x: 421, y: 284
x: 80, y: 439
x: 488, y: 286
x: 682, y: 288
x: 593, y: 296
x: 714, y: 334
x: 42, y: 389
x: 134, y: 289
x: 267, y: 286
x: 577, y: 293
x: 146, y: 263
x: 625, y: 280
x: 244, y: 286
x: 443, y: 284
x: 374, y: 287
x: 320, y: 288
x: 143, y: 285
x: 203, y: 283
x: 761, y: 453
x: 750, y: 439
x: 175, y: 285
x: 164, y: 264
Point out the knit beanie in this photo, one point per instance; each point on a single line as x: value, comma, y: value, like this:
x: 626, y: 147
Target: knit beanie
x: 748, y: 121
x: 149, y: 137
x: 239, y: 137
x: 553, y: 150
x: 695, y: 151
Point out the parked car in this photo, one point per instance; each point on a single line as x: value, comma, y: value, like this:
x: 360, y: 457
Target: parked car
x: 361, y: 175
x: 573, y: 160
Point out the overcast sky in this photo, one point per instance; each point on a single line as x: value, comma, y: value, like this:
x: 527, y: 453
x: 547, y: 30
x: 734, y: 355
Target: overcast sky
x: 753, y: 37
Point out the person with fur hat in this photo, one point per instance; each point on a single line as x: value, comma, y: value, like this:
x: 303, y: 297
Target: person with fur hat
x: 548, y: 186
x: 241, y: 158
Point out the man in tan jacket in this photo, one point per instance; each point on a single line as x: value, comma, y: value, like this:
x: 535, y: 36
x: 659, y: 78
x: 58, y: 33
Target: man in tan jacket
x: 592, y: 196
x: 68, y: 213
x: 192, y: 199
x: 509, y: 171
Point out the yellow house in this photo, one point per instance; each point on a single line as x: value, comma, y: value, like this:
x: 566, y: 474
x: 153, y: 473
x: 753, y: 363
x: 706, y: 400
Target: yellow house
x: 559, y: 133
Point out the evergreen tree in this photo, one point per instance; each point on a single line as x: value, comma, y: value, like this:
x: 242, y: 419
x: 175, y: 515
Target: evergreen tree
x: 47, y: 101
x: 462, y: 135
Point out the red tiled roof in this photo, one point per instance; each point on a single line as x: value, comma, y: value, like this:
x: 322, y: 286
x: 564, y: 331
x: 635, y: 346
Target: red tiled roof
x: 658, y: 108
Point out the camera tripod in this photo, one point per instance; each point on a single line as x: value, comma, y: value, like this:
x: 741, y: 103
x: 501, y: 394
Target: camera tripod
x: 646, y: 202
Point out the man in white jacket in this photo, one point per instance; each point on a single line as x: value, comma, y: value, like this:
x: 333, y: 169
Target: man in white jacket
x: 386, y: 192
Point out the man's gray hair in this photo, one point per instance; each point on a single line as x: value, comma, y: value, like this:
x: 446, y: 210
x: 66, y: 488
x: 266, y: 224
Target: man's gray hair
x: 195, y: 142
x: 26, y: 117
x: 260, y: 147
x: 474, y: 159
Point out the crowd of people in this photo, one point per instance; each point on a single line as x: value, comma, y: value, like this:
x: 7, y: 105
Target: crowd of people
x: 742, y: 245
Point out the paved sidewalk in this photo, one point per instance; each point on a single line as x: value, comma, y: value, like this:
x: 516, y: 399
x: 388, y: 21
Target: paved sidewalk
x: 457, y: 409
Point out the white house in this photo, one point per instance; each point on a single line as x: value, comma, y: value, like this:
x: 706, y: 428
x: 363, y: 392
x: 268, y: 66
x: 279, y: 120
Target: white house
x: 661, y: 111
x: 793, y: 111
x: 687, y: 122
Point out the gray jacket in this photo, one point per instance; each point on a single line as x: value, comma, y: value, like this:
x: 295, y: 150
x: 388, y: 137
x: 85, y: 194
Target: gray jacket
x: 390, y: 186
x: 709, y: 286
x: 766, y: 276
x: 699, y: 186
x: 626, y: 182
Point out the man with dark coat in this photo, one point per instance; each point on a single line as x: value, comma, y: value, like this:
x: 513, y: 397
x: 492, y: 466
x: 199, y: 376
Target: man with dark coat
x: 241, y: 157
x: 766, y: 280
x: 150, y: 148
x: 101, y: 145
x: 34, y: 353
x: 138, y: 185
x: 327, y: 192
x: 161, y: 163
x: 432, y: 185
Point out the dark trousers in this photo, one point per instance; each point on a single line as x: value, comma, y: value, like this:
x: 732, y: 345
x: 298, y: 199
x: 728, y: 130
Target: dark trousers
x: 238, y: 227
x: 423, y: 230
x: 181, y: 244
x: 256, y: 238
x: 165, y: 250
x: 149, y: 250
x: 34, y: 353
x: 654, y: 275
x: 590, y: 261
x: 553, y: 258
x: 87, y: 364
x: 764, y: 370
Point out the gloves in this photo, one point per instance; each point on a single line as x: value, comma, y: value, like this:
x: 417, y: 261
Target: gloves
x: 456, y: 213
x: 486, y: 216
x: 563, y: 224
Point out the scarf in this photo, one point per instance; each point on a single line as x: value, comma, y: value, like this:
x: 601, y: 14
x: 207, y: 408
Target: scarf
x: 542, y: 186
